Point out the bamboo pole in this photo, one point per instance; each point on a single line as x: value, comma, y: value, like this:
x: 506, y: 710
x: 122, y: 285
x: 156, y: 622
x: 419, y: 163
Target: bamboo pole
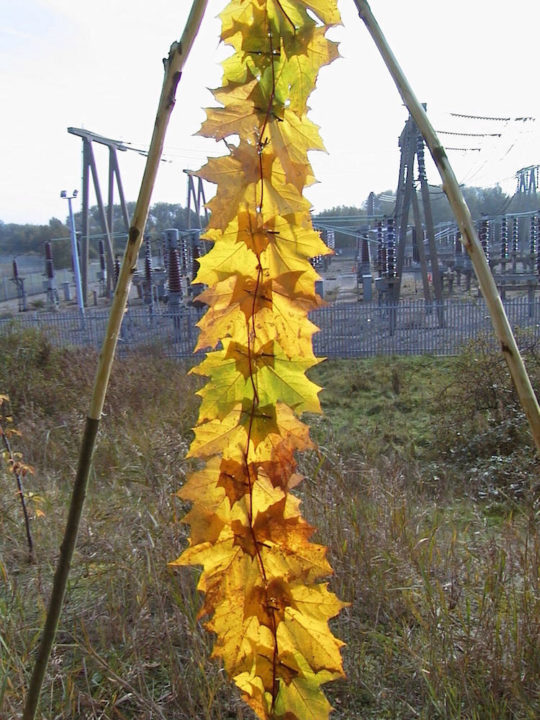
x: 462, y: 214
x: 173, y: 65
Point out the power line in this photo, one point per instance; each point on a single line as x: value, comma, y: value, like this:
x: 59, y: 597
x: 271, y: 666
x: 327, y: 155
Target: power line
x: 493, y: 119
x: 456, y: 149
x: 480, y: 117
x: 464, y: 134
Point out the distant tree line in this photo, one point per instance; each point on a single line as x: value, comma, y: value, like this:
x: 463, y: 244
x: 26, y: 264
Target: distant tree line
x: 481, y: 201
x: 23, y: 239
x: 17, y: 239
x: 162, y: 216
x: 28, y: 239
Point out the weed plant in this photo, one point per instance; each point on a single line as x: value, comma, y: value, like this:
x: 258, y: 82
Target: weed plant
x: 442, y: 576
x: 481, y: 431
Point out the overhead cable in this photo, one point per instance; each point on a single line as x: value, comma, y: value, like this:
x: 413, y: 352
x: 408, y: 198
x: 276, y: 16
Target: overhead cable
x: 462, y: 134
x: 494, y: 119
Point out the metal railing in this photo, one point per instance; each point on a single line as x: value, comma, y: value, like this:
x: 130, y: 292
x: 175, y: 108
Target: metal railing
x: 35, y: 283
x: 346, y: 330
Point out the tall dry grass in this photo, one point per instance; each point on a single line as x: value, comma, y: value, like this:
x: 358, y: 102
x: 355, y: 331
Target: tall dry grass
x: 442, y: 577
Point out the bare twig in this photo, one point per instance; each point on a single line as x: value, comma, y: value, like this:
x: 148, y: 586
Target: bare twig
x: 15, y: 467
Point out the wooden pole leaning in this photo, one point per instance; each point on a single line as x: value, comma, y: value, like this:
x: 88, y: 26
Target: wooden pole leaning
x: 469, y: 235
x: 173, y: 64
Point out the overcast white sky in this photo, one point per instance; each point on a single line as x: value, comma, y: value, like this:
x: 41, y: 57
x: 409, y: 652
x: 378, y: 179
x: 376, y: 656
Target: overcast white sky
x: 97, y: 64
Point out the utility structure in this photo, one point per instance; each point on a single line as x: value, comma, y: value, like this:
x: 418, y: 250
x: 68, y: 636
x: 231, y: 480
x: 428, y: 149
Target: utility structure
x: 198, y: 198
x: 516, y: 265
x: 75, y: 253
x: 102, y: 272
x: 527, y: 180
x: 19, y: 284
x: 411, y: 144
x: 50, y: 282
x: 148, y: 288
x: 510, y: 244
x: 105, y: 214
x: 175, y: 284
x: 195, y: 199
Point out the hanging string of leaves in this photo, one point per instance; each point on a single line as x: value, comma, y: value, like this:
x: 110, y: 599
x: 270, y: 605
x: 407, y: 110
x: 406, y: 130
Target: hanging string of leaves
x: 261, y: 574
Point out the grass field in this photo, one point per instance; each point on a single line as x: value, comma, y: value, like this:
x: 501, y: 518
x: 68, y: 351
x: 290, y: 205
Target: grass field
x: 425, y: 488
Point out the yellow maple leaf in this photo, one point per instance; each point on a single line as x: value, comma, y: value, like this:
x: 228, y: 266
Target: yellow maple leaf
x: 239, y: 116
x: 212, y: 436
x: 211, y: 511
x: 302, y: 698
x: 288, y: 240
x: 326, y: 10
x: 236, y: 311
x: 315, y: 601
x: 246, y: 180
x: 254, y: 694
x: 264, y: 373
x: 226, y: 259
x: 300, y: 633
x: 303, y: 58
x: 291, y: 138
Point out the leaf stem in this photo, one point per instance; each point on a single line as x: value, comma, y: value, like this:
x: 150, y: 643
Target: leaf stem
x: 251, y: 337
x: 280, y: 6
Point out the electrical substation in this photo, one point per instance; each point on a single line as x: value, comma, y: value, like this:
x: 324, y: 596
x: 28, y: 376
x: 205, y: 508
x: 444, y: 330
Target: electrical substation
x: 403, y: 284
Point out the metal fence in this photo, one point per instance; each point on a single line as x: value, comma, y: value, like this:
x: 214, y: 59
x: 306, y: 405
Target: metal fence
x: 413, y: 328
x: 346, y: 330
x: 36, y: 283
